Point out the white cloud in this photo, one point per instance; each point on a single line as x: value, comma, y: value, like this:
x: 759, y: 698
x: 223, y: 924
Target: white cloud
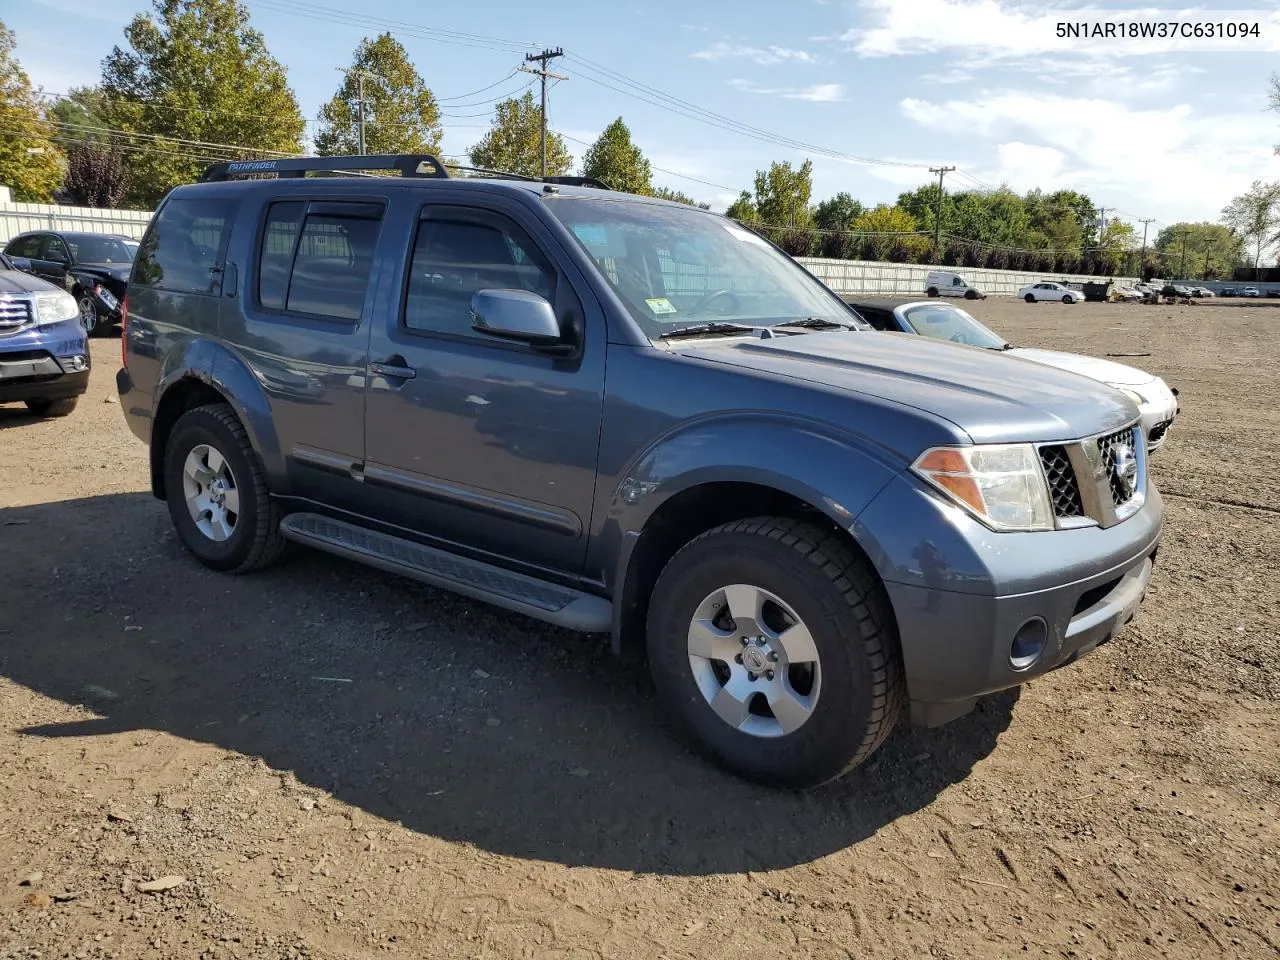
x: 814, y: 93
x: 1170, y: 159
x: 1007, y: 29
x: 723, y: 50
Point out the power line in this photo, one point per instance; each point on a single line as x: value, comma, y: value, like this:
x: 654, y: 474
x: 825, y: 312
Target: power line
x: 705, y: 183
x: 544, y: 58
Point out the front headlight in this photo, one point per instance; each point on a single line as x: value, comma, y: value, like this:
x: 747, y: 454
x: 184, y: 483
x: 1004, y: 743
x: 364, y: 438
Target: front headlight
x: 56, y: 306
x: 1133, y: 395
x: 1002, y: 485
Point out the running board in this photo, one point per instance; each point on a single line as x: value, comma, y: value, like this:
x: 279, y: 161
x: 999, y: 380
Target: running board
x: 562, y: 606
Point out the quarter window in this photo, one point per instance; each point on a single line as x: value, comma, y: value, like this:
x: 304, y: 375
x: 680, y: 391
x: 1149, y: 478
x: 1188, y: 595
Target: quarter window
x: 184, y: 246
x: 454, y: 258
x: 316, y: 258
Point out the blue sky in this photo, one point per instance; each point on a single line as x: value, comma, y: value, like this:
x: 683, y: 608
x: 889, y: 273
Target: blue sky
x: 1170, y: 130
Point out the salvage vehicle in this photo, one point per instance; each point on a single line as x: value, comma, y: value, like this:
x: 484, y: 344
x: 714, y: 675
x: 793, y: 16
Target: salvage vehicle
x: 92, y: 267
x: 1049, y: 290
x: 44, y: 355
x: 1156, y: 401
x: 631, y: 417
x: 939, y: 283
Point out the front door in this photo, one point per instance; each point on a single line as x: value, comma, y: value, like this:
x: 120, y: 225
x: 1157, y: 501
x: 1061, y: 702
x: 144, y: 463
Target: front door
x: 480, y: 442
x: 53, y: 261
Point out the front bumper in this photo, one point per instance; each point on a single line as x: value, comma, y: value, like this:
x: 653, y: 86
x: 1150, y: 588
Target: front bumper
x: 964, y: 596
x: 1158, y: 411
x: 44, y: 363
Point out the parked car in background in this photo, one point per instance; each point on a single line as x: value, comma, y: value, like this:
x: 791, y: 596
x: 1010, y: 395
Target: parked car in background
x: 1157, y: 402
x: 940, y: 283
x: 1250, y: 292
x: 1048, y: 290
x: 1202, y: 292
x: 1228, y: 292
x: 44, y: 353
x: 92, y: 267
x: 805, y: 525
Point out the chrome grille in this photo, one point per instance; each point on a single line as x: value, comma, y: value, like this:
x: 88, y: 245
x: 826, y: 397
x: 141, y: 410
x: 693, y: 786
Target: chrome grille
x: 14, y: 313
x: 1063, y: 487
x: 1107, y: 450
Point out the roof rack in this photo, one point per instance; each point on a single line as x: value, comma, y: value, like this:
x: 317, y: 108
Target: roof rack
x: 422, y: 165
x: 419, y: 165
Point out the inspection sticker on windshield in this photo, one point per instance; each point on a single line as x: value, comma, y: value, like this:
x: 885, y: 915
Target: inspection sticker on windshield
x: 746, y: 236
x: 661, y: 305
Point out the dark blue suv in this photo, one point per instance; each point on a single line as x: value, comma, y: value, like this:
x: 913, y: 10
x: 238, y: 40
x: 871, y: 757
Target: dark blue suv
x: 44, y: 353
x: 637, y: 418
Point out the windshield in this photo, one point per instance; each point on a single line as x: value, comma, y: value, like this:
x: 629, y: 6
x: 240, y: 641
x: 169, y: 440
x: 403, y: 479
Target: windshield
x: 674, y: 267
x: 91, y: 249
x: 945, y: 322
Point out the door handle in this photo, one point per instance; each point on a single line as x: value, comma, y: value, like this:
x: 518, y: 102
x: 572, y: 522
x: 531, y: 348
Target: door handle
x: 395, y: 368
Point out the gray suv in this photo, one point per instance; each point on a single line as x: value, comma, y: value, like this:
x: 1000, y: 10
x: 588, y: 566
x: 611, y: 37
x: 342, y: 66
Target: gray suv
x: 631, y: 417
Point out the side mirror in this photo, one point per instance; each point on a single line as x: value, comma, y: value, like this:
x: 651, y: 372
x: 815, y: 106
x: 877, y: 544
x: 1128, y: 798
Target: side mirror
x: 515, y: 315
x: 21, y: 263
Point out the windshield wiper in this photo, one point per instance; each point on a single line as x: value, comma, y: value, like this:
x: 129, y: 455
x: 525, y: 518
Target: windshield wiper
x: 711, y: 327
x: 814, y: 323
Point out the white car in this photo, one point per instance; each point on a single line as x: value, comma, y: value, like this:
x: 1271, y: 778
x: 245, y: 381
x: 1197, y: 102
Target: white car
x: 1049, y: 291
x: 1157, y: 403
x: 1250, y: 292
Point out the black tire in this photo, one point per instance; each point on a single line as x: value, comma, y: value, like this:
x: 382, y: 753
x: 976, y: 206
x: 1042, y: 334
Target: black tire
x: 970, y: 295
x: 837, y: 594
x: 1068, y: 299
x: 932, y: 292
x: 52, y: 408
x: 1030, y: 298
x: 256, y: 540
x: 101, y: 325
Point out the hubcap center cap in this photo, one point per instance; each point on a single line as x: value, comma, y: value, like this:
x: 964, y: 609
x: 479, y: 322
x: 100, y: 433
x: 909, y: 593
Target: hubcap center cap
x: 218, y: 491
x: 755, y: 659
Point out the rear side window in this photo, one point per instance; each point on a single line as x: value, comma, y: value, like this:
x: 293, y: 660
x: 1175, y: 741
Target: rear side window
x: 452, y: 259
x: 316, y: 257
x: 184, y: 245
x: 25, y: 247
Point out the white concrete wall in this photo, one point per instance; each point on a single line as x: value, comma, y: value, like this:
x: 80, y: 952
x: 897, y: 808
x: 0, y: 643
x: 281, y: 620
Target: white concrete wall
x: 16, y: 218
x: 861, y: 276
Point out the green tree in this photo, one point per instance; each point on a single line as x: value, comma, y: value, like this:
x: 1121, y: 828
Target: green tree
x: 401, y: 115
x: 196, y: 71
x: 30, y: 164
x: 1254, y: 216
x: 837, y: 213
x: 922, y: 204
x: 616, y: 161
x: 666, y: 193
x: 512, y: 144
x: 887, y: 221
x: 97, y: 175
x: 80, y: 114
x: 743, y: 209
x: 1186, y: 250
x: 1063, y: 220
x: 782, y: 194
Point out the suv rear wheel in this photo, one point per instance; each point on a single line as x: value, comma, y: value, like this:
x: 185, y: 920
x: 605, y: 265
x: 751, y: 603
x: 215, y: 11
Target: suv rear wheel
x: 217, y: 492
x: 52, y: 408
x: 772, y: 646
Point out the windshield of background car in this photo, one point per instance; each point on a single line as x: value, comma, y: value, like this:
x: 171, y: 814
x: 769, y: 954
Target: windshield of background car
x: 945, y: 322
x: 89, y: 249
x: 675, y: 267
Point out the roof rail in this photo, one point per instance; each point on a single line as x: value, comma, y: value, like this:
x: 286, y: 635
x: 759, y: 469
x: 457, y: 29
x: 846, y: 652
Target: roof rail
x: 486, y: 172
x: 576, y: 182
x: 422, y: 165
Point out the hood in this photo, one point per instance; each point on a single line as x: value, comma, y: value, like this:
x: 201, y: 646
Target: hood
x: 16, y: 281
x: 992, y: 397
x: 115, y: 271
x: 1092, y: 367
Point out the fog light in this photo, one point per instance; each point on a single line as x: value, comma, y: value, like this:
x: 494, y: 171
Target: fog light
x: 1028, y: 644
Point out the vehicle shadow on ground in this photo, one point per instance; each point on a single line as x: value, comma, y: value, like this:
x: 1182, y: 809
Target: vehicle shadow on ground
x: 454, y: 719
x: 17, y: 415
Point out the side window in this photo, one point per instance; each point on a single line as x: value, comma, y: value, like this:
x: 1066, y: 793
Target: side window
x: 454, y: 258
x: 54, y: 250
x: 880, y: 319
x: 184, y: 245
x: 28, y: 247
x: 316, y: 258
x: 957, y: 282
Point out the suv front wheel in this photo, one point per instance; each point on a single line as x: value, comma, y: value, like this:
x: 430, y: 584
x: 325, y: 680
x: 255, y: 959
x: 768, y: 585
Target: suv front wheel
x: 217, y: 492
x: 772, y: 646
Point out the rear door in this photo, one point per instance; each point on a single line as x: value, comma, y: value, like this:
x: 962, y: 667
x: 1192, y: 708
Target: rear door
x: 303, y: 325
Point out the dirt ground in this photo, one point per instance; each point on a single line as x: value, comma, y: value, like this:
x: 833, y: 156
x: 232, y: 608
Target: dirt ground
x: 341, y: 764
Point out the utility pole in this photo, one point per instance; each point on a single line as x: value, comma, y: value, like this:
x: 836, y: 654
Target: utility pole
x: 543, y: 58
x: 1142, y: 257
x: 937, y: 219
x: 1182, y: 269
x: 361, y: 74
x: 1102, y: 223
